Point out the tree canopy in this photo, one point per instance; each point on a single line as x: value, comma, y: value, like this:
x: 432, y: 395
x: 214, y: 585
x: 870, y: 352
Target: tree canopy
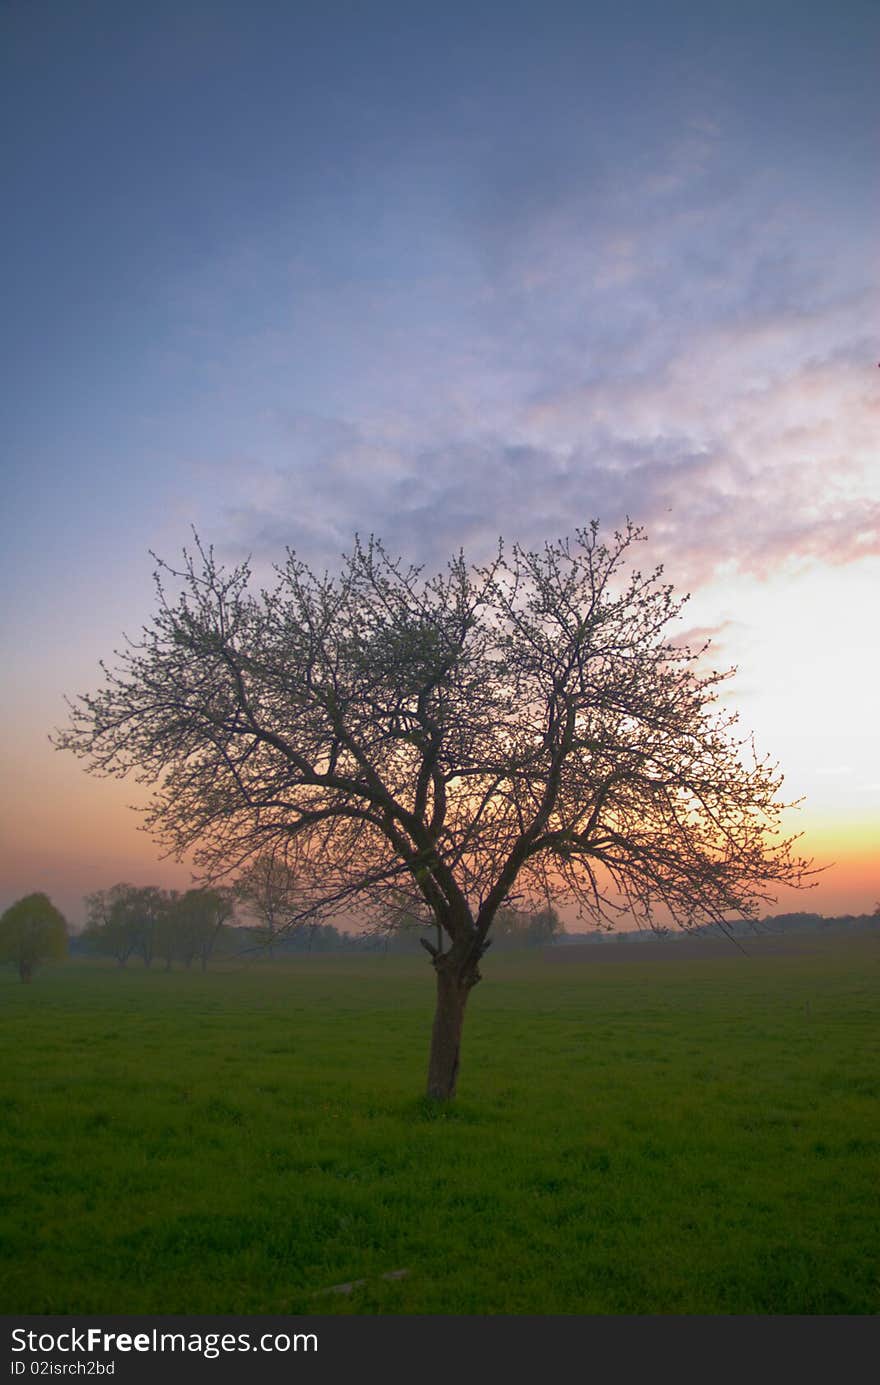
x: 32, y: 931
x: 492, y: 736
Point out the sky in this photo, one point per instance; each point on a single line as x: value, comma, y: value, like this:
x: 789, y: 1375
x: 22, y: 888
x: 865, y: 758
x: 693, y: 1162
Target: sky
x: 287, y: 271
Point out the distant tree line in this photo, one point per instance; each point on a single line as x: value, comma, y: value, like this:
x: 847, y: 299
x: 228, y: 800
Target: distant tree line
x: 257, y: 915
x: 802, y: 922
x: 771, y: 924
x: 155, y: 925
x: 260, y: 915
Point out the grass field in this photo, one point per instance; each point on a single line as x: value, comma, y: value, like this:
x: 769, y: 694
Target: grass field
x: 683, y: 1136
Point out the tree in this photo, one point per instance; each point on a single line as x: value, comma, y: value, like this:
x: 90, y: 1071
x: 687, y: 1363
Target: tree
x: 527, y: 929
x: 32, y: 931
x: 544, y: 927
x: 113, y: 922
x: 166, y: 942
x: 492, y: 736
x: 268, y: 891
x: 200, y: 915
x: 133, y: 920
x: 151, y: 906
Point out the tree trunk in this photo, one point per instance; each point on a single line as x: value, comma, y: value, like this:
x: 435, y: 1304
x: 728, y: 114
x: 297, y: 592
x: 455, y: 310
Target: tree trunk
x: 454, y: 983
x: 25, y: 971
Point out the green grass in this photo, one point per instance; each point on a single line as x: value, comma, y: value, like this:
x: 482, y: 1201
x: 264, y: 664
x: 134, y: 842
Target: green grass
x: 695, y: 1137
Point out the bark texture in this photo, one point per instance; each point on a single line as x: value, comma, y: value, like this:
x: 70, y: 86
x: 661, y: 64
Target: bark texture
x: 454, y: 984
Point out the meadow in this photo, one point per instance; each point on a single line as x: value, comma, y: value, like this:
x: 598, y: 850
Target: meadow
x: 684, y: 1136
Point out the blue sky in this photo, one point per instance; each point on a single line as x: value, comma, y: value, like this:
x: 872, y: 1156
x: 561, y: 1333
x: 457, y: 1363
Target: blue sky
x: 284, y: 271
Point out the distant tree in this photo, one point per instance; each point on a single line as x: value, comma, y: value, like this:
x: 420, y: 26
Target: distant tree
x: 113, y: 921
x: 528, y: 928
x: 200, y: 917
x: 328, y: 938
x: 268, y: 890
x: 151, y: 905
x: 544, y: 927
x: 166, y: 937
x: 487, y: 737
x: 32, y: 931
x: 793, y: 922
x: 319, y: 937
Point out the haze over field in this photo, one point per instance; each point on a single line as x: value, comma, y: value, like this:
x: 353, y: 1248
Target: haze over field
x: 443, y: 273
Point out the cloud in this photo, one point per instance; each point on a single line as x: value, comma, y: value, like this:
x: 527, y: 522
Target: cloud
x: 685, y: 355
x: 746, y: 477
x: 752, y: 445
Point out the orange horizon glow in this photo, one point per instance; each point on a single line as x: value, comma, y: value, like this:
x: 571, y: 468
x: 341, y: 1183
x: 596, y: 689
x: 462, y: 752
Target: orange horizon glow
x: 86, y: 838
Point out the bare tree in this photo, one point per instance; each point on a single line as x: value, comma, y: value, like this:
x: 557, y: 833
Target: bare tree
x: 494, y: 736
x: 269, y: 892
